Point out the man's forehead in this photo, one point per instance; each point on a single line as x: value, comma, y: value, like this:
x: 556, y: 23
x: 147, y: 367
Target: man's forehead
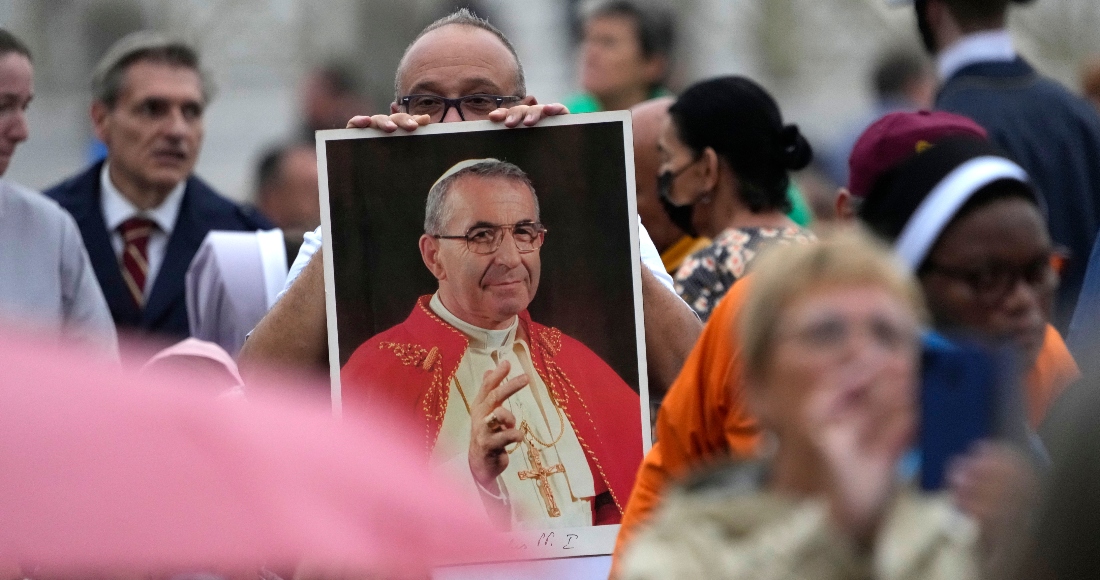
x: 1009, y: 230
x: 151, y: 78
x: 458, y: 59
x: 476, y: 198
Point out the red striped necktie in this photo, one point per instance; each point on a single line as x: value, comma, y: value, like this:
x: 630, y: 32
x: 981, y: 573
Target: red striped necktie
x: 135, y: 255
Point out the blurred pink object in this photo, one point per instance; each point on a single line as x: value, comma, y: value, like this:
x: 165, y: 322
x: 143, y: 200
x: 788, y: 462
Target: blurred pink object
x: 102, y: 473
x: 206, y: 364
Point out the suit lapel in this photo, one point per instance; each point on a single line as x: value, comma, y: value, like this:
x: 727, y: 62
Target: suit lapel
x: 88, y: 214
x: 187, y: 236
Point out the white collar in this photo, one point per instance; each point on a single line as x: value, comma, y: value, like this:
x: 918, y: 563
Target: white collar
x: 480, y: 338
x: 117, y: 209
x: 985, y: 46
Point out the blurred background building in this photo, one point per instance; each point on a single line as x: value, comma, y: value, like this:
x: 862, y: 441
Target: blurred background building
x: 284, y: 66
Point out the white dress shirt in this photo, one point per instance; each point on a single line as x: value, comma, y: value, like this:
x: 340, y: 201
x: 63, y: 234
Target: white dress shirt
x: 985, y: 46
x: 47, y: 283
x: 117, y: 209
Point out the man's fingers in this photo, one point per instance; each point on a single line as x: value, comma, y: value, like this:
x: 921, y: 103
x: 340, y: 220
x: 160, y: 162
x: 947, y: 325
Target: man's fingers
x: 384, y: 122
x: 502, y: 391
x: 528, y: 115
x: 490, y: 380
x: 496, y: 443
x: 552, y: 109
x: 504, y: 418
x: 409, y: 122
x: 389, y: 123
x: 515, y: 115
x: 359, y: 122
x: 511, y: 117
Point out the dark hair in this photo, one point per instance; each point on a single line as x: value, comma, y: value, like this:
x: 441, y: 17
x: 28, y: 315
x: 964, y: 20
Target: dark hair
x: 896, y: 69
x: 654, y: 26
x: 741, y: 122
x: 269, y: 168
x: 10, y: 43
x: 340, y: 77
x: 976, y: 14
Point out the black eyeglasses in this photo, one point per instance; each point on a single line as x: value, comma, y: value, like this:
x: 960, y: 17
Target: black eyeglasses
x: 992, y: 282
x: 486, y: 239
x: 436, y: 107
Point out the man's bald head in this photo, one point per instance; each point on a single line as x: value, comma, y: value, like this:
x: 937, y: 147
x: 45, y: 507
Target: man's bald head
x: 647, y: 119
x: 467, y: 47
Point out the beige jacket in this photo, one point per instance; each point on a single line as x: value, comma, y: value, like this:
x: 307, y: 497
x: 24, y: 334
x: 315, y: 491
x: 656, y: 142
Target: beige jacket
x: 700, y: 535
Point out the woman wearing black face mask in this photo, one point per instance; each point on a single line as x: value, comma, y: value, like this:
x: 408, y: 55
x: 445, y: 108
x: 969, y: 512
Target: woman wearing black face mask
x: 725, y: 153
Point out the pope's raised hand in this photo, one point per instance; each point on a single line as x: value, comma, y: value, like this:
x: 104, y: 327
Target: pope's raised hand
x: 492, y: 427
x: 389, y: 123
x: 526, y: 114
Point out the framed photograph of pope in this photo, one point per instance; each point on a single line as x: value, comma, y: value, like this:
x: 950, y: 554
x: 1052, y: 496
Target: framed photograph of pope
x: 483, y: 289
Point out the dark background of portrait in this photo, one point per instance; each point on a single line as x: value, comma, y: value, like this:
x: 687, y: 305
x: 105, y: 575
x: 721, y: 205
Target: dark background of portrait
x: 377, y: 192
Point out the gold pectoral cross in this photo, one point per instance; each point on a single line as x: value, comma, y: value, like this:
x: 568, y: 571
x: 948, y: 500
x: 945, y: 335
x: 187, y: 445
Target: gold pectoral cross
x: 541, y: 474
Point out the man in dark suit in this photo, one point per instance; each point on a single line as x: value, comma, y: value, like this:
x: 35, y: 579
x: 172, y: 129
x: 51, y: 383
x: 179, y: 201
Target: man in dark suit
x: 1050, y: 132
x: 140, y: 211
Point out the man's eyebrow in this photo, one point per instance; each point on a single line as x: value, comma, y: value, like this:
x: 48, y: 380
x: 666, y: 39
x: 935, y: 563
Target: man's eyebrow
x: 485, y: 224
x: 470, y: 86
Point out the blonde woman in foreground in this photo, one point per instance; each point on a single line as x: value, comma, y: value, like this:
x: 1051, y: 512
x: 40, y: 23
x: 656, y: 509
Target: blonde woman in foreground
x: 831, y: 336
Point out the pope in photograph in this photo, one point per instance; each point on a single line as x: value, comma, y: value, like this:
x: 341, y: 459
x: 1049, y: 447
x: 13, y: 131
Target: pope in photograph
x: 530, y: 421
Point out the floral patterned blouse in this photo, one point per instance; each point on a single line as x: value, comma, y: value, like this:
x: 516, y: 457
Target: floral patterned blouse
x: 705, y: 276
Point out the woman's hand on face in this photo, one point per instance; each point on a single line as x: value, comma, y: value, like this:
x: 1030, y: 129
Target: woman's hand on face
x: 862, y: 432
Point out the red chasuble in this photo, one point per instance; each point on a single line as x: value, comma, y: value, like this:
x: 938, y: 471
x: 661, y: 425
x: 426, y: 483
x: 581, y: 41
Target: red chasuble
x: 409, y: 369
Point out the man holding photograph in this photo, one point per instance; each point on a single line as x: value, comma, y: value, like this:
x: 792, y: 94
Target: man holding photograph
x: 526, y: 418
x: 460, y: 68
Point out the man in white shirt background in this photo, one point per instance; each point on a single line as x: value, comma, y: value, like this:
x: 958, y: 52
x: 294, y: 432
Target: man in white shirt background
x: 46, y: 281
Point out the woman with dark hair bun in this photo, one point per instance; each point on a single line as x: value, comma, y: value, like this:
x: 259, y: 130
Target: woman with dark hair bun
x: 725, y: 154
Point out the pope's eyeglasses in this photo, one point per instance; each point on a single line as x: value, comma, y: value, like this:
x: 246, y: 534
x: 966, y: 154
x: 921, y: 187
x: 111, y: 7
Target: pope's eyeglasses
x: 486, y: 239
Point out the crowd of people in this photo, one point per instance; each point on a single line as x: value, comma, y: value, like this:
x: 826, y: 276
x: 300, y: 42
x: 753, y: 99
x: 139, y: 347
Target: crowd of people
x: 791, y: 362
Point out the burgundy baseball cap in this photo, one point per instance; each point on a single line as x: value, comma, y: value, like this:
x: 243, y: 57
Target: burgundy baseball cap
x: 896, y: 137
